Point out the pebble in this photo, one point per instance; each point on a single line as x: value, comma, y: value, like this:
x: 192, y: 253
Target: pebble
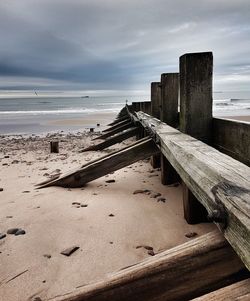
x: 145, y: 247
x: 161, y: 199
x: 76, y: 203
x: 6, y: 157
x: 141, y: 191
x: 47, y: 256
x: 37, y: 299
x: 110, y: 181
x: 12, y: 230
x: 26, y: 191
x: 191, y: 234
x: 111, y: 215
x: 2, y: 235
x: 151, y: 253
x: 20, y: 232
x: 69, y: 251
x: 1, y: 189
x: 84, y: 205
x: 155, y: 195
x: 9, y: 216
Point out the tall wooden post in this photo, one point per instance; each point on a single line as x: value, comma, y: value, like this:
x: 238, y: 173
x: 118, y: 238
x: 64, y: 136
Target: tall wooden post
x: 169, y: 115
x: 196, y: 72
x: 148, y: 107
x: 155, y: 112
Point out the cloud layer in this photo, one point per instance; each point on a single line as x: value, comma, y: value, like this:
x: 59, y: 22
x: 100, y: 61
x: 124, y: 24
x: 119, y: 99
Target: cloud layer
x: 125, y: 44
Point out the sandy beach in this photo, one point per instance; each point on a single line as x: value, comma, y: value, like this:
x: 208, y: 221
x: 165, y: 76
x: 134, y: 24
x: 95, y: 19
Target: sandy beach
x: 108, y: 222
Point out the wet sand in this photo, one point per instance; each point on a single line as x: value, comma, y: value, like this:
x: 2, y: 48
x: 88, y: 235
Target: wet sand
x: 107, y: 221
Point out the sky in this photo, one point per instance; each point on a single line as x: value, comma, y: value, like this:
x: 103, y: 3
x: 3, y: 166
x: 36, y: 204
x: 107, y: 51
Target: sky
x: 119, y: 45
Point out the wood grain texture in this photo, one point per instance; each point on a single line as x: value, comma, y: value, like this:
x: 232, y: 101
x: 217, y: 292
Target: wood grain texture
x: 236, y: 291
x: 232, y: 138
x: 105, y: 165
x: 117, y: 138
x: 218, y: 181
x: 180, y: 273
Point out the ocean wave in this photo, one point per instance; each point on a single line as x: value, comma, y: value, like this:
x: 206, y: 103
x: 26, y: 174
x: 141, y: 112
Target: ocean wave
x: 61, y: 111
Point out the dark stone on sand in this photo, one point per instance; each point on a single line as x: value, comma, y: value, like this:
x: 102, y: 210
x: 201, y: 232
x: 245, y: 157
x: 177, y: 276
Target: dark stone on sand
x: 69, y: 251
x: 47, y: 256
x: 12, y: 230
x: 141, y: 191
x: 6, y: 157
x: 161, y: 200
x: 5, y: 164
x: 1, y: 189
x: 37, y: 299
x: 84, y: 205
x: 155, y: 195
x: 110, y: 181
x: 20, y: 232
x: 76, y: 203
x: 26, y: 191
x: 145, y: 247
x: 111, y: 215
x: 2, y: 235
x: 98, y: 124
x: 191, y: 234
x: 151, y: 253
x: 9, y: 216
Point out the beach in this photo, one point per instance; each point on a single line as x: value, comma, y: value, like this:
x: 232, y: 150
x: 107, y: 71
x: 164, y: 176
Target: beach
x: 113, y: 225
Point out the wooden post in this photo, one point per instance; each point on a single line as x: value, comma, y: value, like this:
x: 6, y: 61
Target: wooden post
x: 196, y: 71
x: 169, y: 115
x: 54, y: 146
x: 155, y: 112
x: 148, y: 107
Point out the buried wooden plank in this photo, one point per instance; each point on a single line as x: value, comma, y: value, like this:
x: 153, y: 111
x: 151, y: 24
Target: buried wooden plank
x: 119, y: 137
x: 115, y: 131
x: 117, y: 120
x: 117, y: 125
x: 218, y: 181
x: 236, y: 291
x: 183, y: 272
x: 105, y: 165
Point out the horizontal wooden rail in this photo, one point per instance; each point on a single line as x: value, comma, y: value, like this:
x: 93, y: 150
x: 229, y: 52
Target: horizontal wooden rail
x: 232, y: 138
x: 218, y: 181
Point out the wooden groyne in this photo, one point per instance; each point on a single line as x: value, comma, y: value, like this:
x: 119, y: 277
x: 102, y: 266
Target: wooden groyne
x: 211, y: 157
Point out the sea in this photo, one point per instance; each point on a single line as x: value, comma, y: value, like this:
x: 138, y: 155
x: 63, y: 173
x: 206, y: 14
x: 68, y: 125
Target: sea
x: 35, y: 114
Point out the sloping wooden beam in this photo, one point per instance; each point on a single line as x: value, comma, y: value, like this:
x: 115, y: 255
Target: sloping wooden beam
x: 218, y: 181
x: 117, y: 125
x: 178, y: 274
x: 105, y: 165
x: 126, y: 126
x: 237, y: 292
x: 117, y: 120
x: 119, y: 137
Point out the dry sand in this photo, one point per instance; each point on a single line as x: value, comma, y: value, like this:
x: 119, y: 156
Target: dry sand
x: 52, y: 224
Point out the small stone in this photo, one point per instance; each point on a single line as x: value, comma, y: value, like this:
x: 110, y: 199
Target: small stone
x: 26, y: 191
x: 20, y: 232
x: 37, y: 299
x: 2, y: 235
x: 111, y: 242
x: 191, y: 234
x: 84, y: 205
x: 6, y: 157
x: 161, y: 200
x: 151, y: 253
x: 47, y: 256
x: 9, y: 216
x: 145, y: 247
x: 111, y: 215
x: 140, y: 191
x: 76, y: 203
x: 155, y: 195
x: 110, y: 181
x: 1, y: 189
x: 12, y: 230
x: 69, y: 251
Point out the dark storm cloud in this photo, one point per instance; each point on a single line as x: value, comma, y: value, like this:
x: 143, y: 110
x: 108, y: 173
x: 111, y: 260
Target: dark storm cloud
x: 111, y: 44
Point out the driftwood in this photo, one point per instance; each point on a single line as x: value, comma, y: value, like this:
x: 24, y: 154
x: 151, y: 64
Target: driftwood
x: 117, y: 125
x: 112, y: 140
x: 239, y: 291
x: 105, y: 165
x: 218, y: 181
x: 115, y: 131
x: 179, y: 274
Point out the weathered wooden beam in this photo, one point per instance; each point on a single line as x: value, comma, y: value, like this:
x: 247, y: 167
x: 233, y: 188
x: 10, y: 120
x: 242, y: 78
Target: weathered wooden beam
x: 178, y: 274
x: 232, y: 138
x: 155, y: 112
x: 219, y: 182
x: 121, y: 128
x: 196, y: 73
x: 238, y: 291
x: 116, y: 125
x: 169, y: 115
x: 112, y: 140
x: 107, y: 164
x: 117, y: 120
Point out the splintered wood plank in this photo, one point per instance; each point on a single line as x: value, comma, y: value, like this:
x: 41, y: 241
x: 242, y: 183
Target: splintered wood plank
x: 107, y: 164
x: 113, y: 140
x: 186, y: 271
x: 121, y: 128
x: 218, y: 181
x: 237, y: 291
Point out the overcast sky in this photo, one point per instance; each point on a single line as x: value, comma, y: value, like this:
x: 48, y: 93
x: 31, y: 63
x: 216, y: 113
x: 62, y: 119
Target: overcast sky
x: 119, y: 44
